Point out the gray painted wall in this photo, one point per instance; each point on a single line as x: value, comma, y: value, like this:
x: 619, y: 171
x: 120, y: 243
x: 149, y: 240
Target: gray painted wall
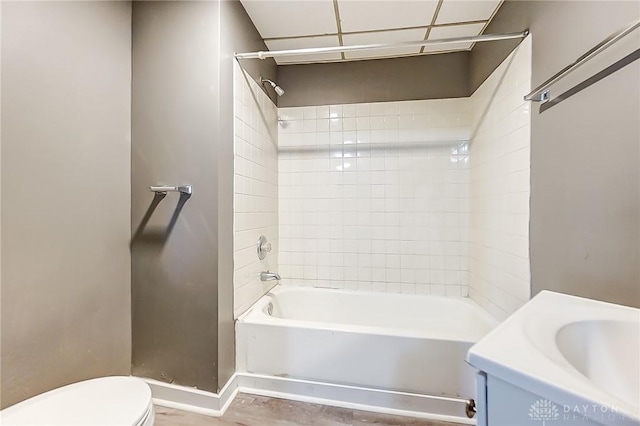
x: 585, y: 152
x: 240, y: 35
x: 66, y: 81
x: 1, y: 405
x: 174, y: 141
x: 183, y: 328
x: 399, y: 79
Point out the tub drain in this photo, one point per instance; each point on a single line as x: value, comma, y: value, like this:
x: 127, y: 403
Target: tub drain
x: 270, y: 308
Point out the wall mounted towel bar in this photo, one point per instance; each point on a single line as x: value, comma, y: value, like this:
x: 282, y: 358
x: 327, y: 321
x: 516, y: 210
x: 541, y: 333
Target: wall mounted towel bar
x: 542, y: 92
x: 185, y: 189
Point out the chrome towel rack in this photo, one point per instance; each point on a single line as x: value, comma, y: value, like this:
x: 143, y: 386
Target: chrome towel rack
x: 542, y: 92
x: 184, y: 189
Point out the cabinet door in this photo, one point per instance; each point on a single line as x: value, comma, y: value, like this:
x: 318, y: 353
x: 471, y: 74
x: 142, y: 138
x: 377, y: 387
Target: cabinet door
x: 481, y: 399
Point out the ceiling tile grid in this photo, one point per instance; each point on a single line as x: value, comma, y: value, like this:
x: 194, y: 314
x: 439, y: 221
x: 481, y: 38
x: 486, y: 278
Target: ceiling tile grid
x: 304, y: 43
x: 297, y: 24
x: 384, y: 15
x: 438, y: 33
x: 454, y: 11
x: 385, y: 37
x: 284, y: 18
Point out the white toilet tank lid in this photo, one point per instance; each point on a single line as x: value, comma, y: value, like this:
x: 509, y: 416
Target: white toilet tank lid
x: 116, y: 400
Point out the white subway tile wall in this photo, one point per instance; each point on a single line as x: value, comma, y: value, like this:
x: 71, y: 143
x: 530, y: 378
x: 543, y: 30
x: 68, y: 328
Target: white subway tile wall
x: 499, y: 274
x: 388, y: 197
x: 375, y: 196
x: 255, y: 189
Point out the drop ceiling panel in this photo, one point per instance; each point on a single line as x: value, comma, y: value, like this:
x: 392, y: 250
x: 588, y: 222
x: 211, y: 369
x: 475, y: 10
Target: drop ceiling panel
x: 363, y: 15
x: 303, y: 43
x: 383, y: 37
x: 451, y: 32
x: 465, y: 11
x: 297, y: 24
x: 292, y: 18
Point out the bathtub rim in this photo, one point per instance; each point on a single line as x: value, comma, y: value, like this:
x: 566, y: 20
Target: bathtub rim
x: 257, y: 311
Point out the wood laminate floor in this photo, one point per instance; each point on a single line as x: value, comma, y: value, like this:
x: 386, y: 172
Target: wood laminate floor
x: 251, y: 410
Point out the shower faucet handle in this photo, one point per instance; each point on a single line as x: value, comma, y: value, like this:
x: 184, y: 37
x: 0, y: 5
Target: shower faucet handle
x: 263, y: 247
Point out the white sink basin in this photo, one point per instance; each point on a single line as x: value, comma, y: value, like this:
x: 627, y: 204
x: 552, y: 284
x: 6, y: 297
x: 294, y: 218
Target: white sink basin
x: 604, y: 352
x: 573, y: 351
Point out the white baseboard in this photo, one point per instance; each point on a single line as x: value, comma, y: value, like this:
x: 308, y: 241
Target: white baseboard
x: 352, y: 397
x: 356, y: 398
x: 192, y: 399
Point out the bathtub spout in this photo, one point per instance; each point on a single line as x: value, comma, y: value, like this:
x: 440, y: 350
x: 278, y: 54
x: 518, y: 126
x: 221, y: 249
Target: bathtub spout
x: 269, y: 276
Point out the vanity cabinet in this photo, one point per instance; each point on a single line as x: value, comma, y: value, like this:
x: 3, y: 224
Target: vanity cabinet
x: 500, y: 403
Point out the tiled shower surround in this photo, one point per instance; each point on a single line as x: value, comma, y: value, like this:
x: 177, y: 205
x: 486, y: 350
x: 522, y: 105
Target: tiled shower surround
x: 499, y: 274
x: 427, y: 197
x: 375, y: 196
x: 255, y: 189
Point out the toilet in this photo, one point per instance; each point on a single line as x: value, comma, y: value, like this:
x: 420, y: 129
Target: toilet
x: 117, y: 400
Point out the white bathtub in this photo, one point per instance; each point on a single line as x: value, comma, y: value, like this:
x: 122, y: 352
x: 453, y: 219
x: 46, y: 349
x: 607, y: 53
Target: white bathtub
x: 393, y: 342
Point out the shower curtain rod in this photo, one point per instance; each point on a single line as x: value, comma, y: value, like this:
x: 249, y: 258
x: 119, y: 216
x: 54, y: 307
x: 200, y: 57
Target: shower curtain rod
x: 339, y: 49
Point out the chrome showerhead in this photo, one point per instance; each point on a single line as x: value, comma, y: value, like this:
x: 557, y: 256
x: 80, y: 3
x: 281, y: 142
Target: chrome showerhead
x: 278, y: 89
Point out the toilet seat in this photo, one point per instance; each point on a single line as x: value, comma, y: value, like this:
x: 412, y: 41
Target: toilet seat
x: 116, y: 400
